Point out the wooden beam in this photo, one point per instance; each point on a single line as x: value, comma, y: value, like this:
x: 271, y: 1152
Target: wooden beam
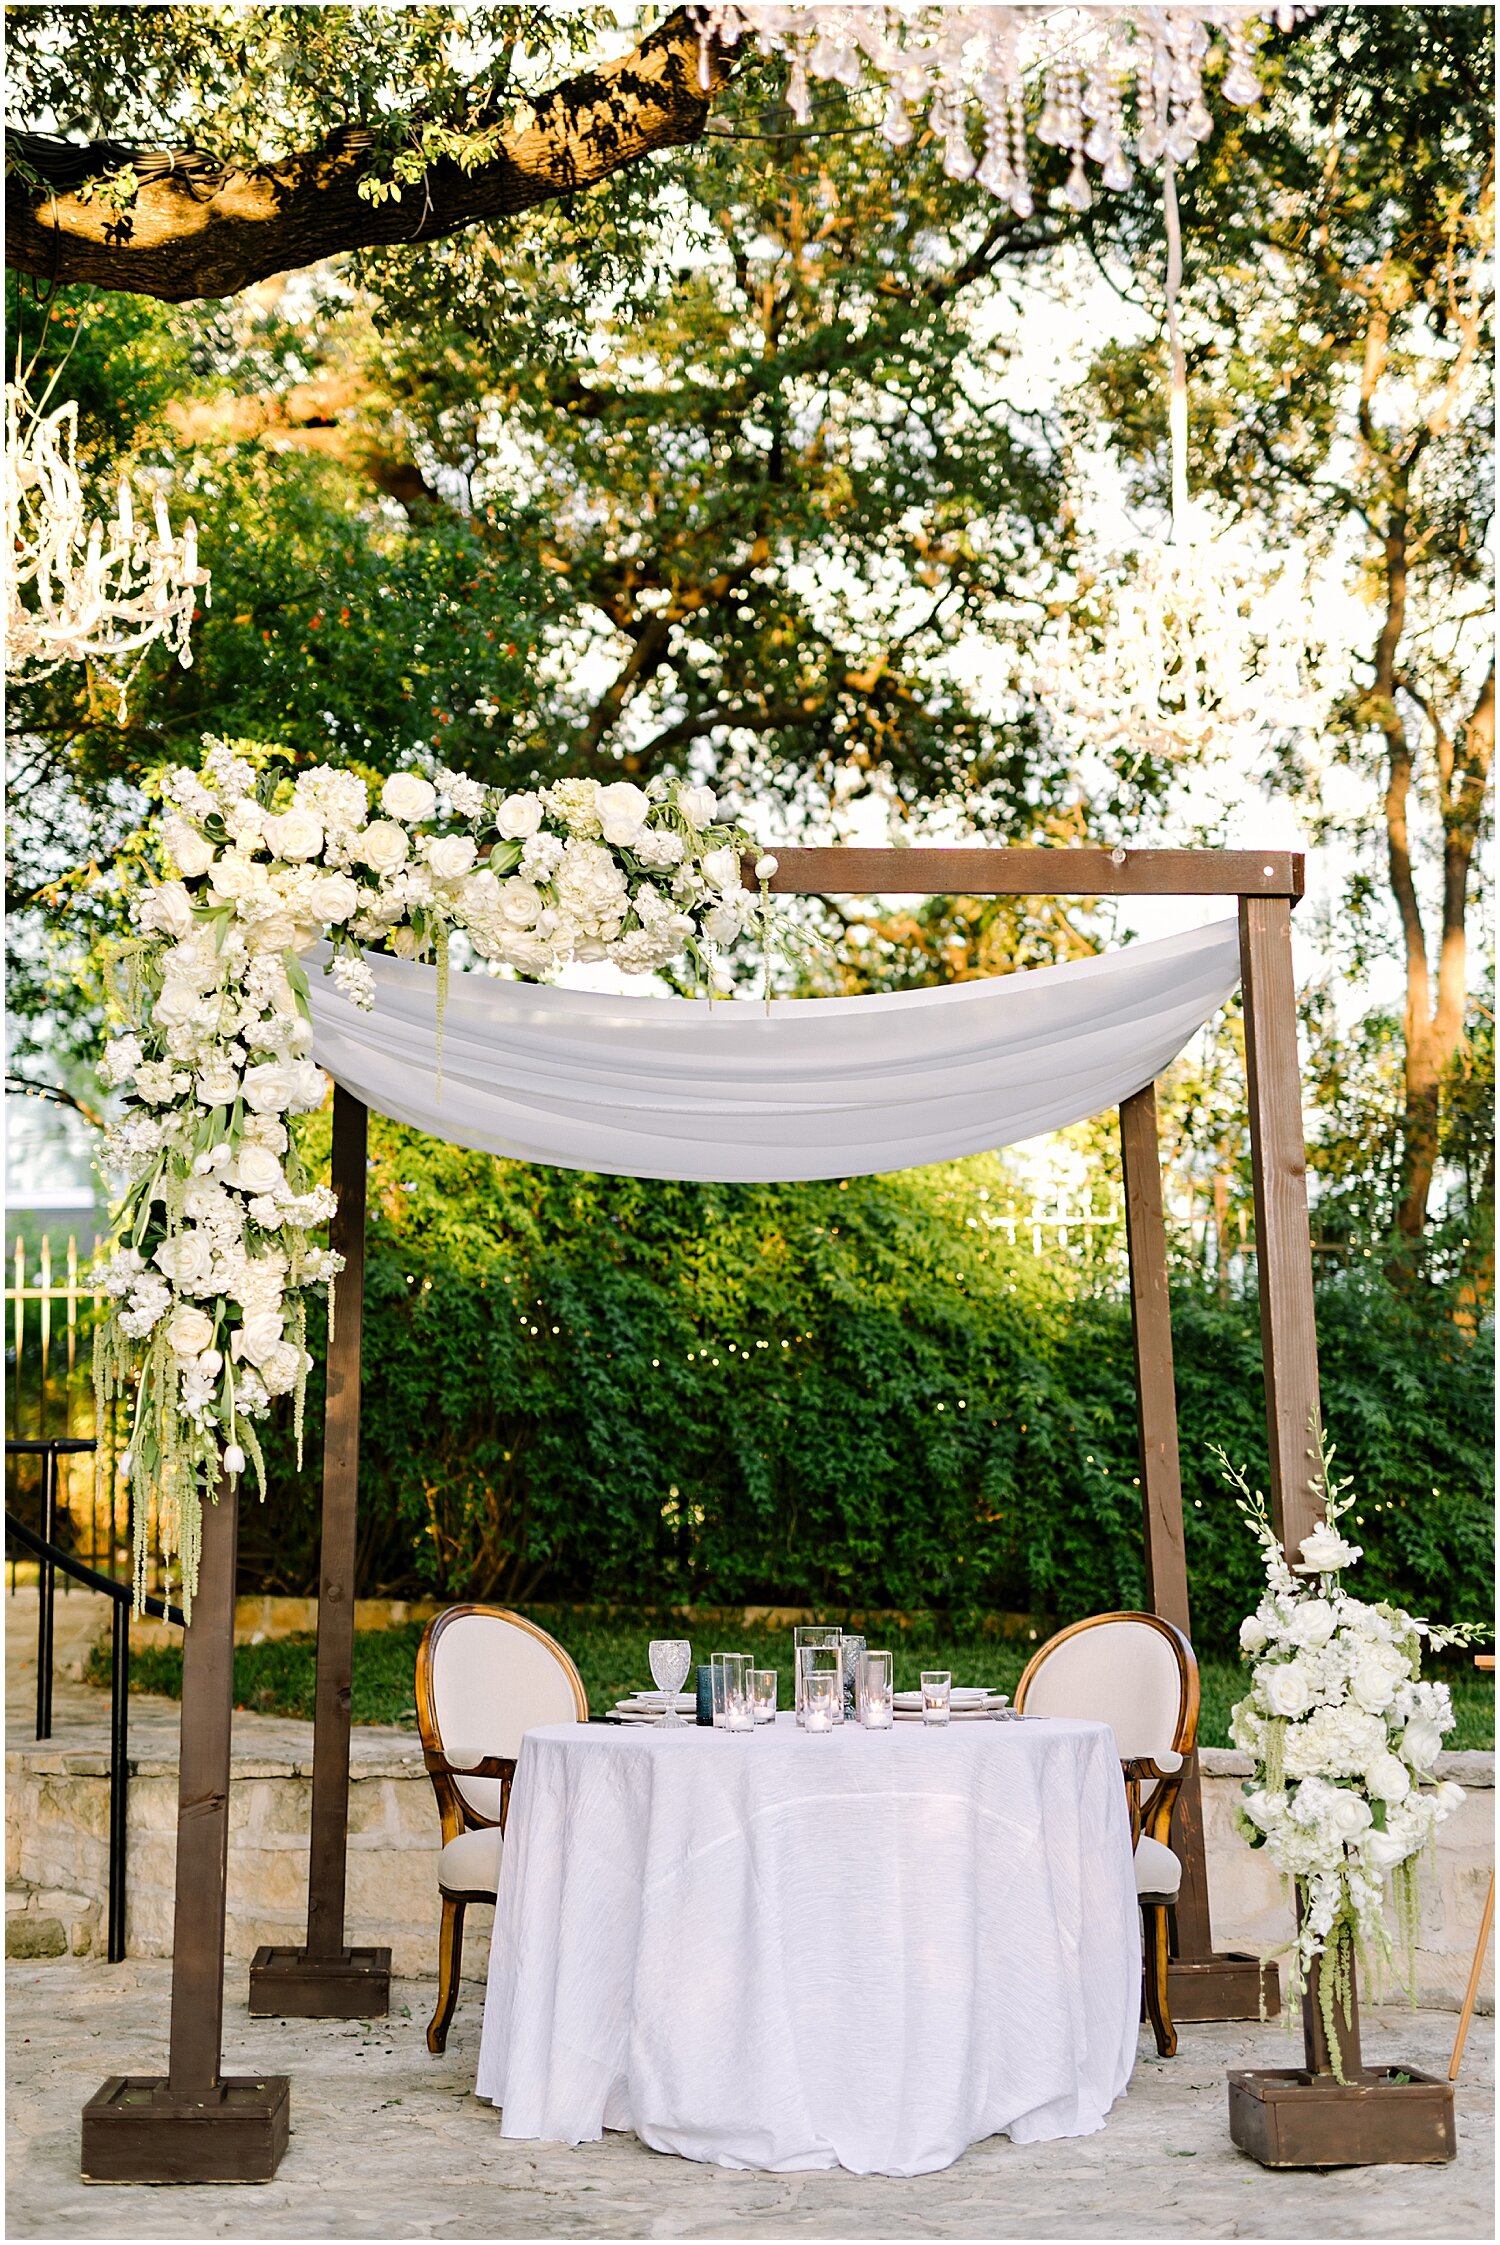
x: 1289, y: 1340
x: 1161, y: 1478
x: 842, y: 871
x: 336, y: 1581
x: 203, y: 1808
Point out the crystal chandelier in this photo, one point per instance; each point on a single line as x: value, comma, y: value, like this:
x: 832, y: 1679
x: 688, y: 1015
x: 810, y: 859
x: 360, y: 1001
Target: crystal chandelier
x: 83, y: 591
x: 1117, y: 83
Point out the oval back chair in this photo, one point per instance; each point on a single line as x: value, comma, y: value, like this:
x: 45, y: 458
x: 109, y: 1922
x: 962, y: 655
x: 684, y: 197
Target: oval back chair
x: 1137, y: 1673
x: 484, y: 1678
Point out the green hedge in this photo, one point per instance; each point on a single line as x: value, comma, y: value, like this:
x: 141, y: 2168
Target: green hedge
x: 600, y: 1388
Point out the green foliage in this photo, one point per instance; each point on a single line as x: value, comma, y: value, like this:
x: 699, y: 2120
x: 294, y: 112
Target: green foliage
x: 832, y: 1393
x: 276, y: 1678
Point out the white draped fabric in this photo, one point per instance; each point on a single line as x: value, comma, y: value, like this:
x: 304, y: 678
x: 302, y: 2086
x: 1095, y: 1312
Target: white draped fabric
x: 868, y: 1950
x: 738, y: 1093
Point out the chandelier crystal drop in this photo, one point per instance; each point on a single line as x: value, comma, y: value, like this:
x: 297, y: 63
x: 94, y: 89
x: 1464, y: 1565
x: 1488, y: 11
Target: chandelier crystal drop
x: 81, y: 590
x: 1119, y: 85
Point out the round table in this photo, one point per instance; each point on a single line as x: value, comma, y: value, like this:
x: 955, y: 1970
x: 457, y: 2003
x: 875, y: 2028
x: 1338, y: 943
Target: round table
x: 783, y: 1951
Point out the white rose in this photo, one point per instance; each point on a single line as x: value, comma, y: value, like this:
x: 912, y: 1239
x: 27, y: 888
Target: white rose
x: 1324, y: 1552
x: 305, y: 1085
x: 1254, y: 1634
x: 191, y: 852
x: 267, y: 1087
x: 622, y: 812
x: 294, y: 834
x: 234, y: 875
x: 256, y: 1338
x: 188, y: 1258
x: 722, y: 868
x: 334, y: 898
x: 1286, y: 1688
x: 1376, y: 1676
x: 1387, y: 1779
x: 382, y: 846
x: 169, y: 909
x: 1347, y: 1815
x: 698, y: 805
x: 218, y: 1085
x: 406, y: 796
x: 189, y: 1331
x: 255, y: 1170
x: 1383, y: 1850
x: 518, y: 817
x: 451, y: 856
x: 1421, y: 1742
x: 1312, y: 1623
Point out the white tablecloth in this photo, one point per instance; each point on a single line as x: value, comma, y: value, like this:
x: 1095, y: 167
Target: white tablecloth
x: 868, y: 1950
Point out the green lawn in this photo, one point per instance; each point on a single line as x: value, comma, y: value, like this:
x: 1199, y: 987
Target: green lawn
x: 276, y: 1678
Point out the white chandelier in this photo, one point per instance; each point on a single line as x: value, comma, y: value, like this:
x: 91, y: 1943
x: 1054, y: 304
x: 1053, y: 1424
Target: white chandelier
x: 1117, y: 82
x: 81, y: 591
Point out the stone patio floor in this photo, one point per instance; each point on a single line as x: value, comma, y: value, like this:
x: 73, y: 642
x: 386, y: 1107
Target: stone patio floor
x: 390, y: 2143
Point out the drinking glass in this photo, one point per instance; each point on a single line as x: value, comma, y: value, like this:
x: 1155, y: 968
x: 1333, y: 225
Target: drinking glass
x: 739, y: 1714
x: 804, y: 1638
x: 937, y: 1688
x: 670, y: 1658
x: 763, y: 1694
x: 877, y: 1705
x: 822, y: 1690
x: 851, y: 1651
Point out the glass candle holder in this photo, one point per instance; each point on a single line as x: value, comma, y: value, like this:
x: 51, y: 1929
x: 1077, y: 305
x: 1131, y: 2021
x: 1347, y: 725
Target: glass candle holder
x: 739, y: 1713
x: 877, y: 1699
x: 937, y: 1692
x: 763, y: 1694
x: 806, y: 1637
x: 814, y: 1661
x: 716, y: 1682
x: 851, y: 1651
x: 822, y: 1691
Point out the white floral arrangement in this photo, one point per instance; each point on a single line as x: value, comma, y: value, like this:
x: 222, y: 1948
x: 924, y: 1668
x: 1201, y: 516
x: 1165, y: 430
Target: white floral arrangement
x: 1344, y: 1735
x: 212, y: 1262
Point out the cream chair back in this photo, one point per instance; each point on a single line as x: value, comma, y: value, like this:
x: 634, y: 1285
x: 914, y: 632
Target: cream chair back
x: 1132, y: 1671
x: 495, y: 1677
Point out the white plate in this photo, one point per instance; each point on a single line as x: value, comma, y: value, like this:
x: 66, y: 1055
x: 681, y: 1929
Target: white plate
x: 659, y: 1699
x: 626, y: 1713
x: 958, y: 1715
x: 962, y: 1695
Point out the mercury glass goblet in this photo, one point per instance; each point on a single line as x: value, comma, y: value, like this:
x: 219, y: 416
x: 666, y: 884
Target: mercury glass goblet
x: 670, y: 1658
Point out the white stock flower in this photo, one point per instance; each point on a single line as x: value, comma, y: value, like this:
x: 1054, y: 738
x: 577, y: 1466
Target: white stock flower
x: 191, y: 852
x: 541, y: 857
x: 245, y: 822
x: 156, y: 1081
x: 122, y: 1057
x: 382, y: 846
x: 659, y: 849
x: 519, y: 817
x: 575, y: 803
x: 467, y: 796
x: 1324, y: 1552
x: 591, y: 889
x: 406, y: 795
x: 189, y: 1330
x: 450, y: 855
x: 280, y: 1366
x: 621, y: 809
x: 340, y: 799
x: 698, y: 805
x: 353, y: 979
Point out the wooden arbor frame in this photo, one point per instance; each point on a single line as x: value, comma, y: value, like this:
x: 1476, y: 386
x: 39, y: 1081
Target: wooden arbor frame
x: 200, y: 2126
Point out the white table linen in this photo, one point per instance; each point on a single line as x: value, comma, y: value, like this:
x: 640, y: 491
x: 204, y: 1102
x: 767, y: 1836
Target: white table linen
x: 783, y: 1951
x: 812, y: 1087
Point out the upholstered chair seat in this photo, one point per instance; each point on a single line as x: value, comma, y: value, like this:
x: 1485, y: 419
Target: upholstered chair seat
x: 1138, y: 1674
x: 484, y: 1678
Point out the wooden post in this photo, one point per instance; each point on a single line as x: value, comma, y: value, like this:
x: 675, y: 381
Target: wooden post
x: 327, y: 1979
x: 1202, y: 1985
x: 196, y: 2126
x: 1283, y: 1242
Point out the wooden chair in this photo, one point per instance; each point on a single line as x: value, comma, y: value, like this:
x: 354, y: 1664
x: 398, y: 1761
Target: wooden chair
x: 1138, y: 1674
x: 484, y: 1678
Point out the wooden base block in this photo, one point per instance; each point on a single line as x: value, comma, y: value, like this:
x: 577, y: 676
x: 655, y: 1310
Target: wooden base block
x: 290, y: 1984
x: 1223, y: 1987
x: 1391, y: 2116
x: 137, y: 2129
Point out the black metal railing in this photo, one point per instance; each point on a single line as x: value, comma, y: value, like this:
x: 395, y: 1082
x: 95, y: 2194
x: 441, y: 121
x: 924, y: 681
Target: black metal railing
x: 51, y: 1558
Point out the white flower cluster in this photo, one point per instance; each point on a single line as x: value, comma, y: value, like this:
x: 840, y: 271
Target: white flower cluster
x: 207, y: 1283
x: 1343, y: 1732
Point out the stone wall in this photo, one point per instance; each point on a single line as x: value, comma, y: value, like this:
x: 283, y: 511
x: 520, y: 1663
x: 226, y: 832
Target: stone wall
x: 57, y: 1809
